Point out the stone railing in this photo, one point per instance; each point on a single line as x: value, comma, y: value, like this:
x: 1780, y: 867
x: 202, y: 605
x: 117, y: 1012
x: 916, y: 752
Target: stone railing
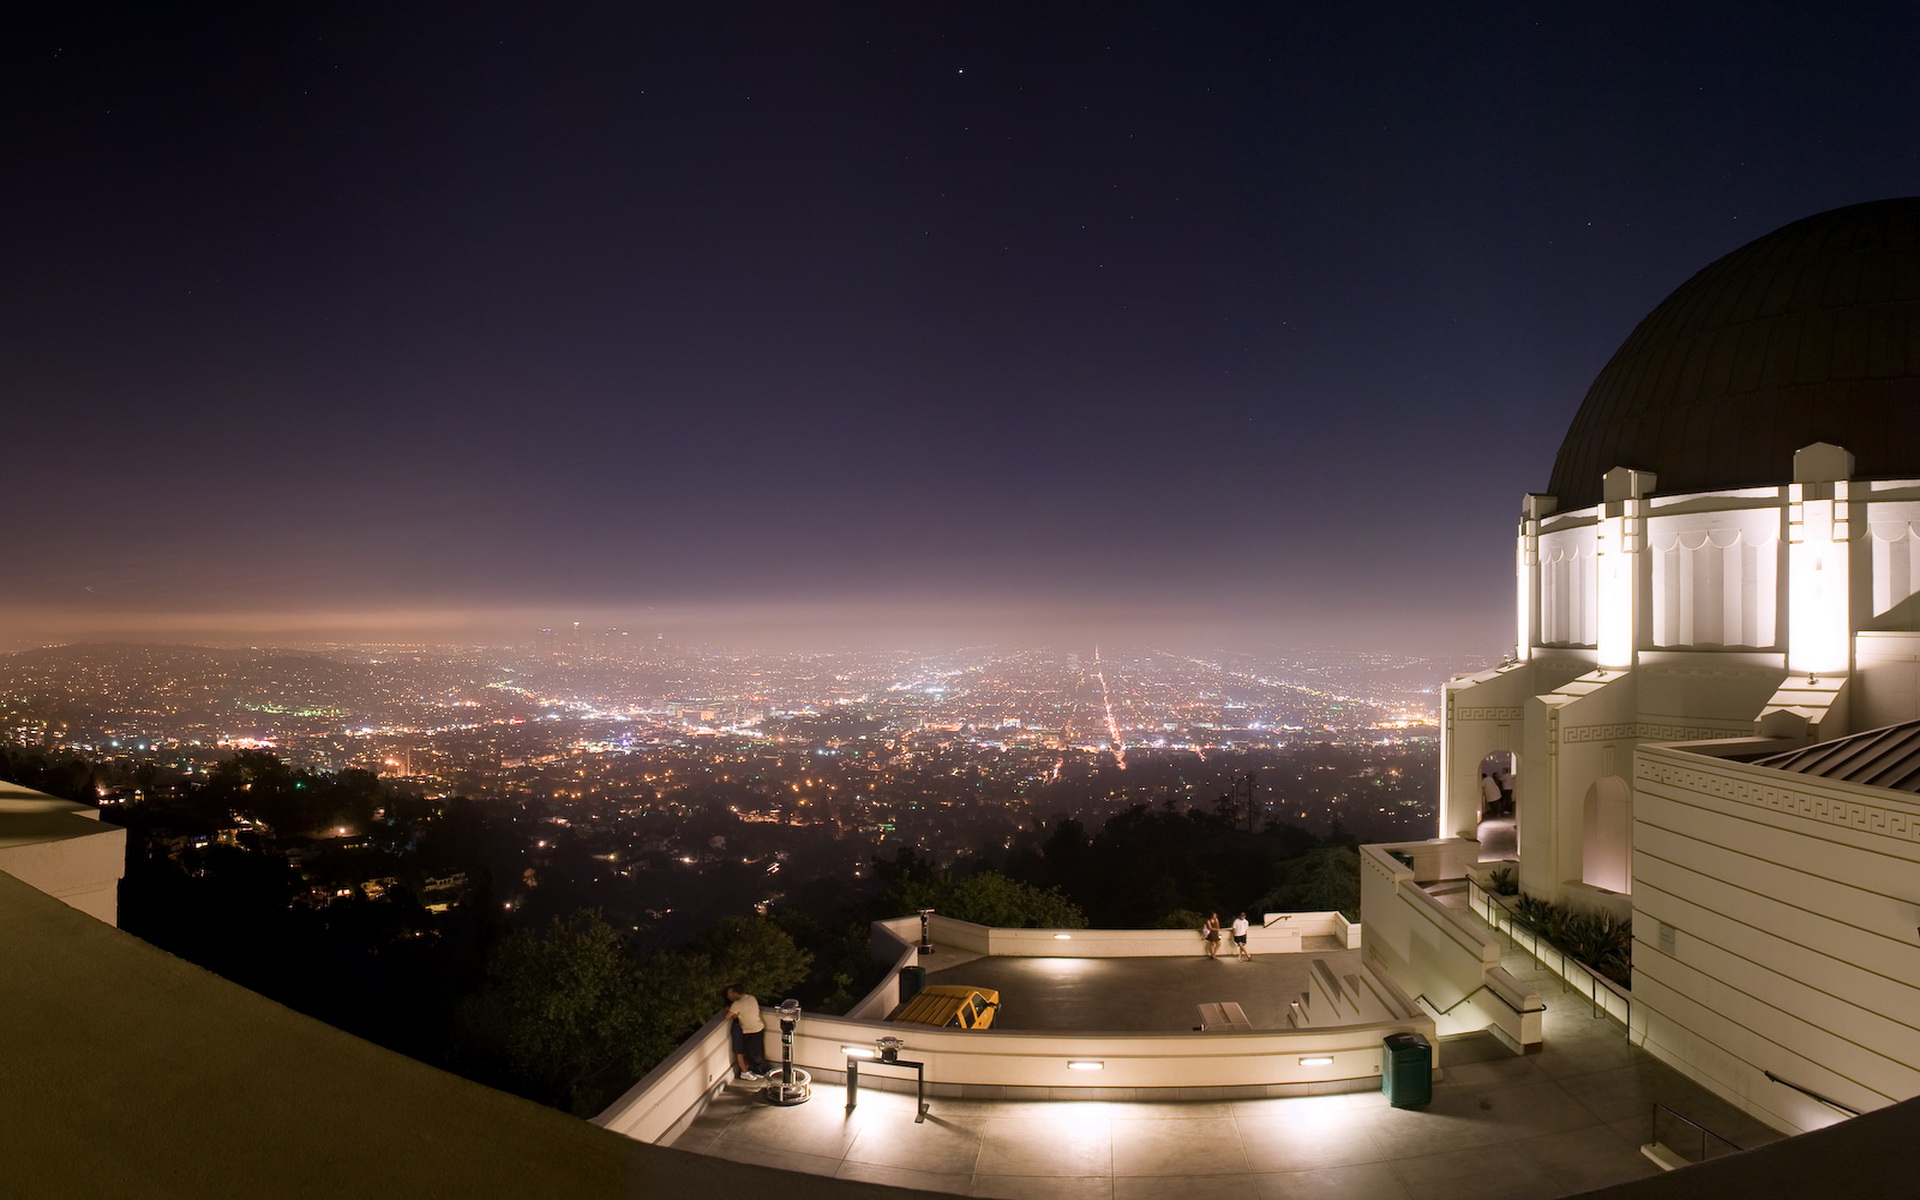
x: 1273, y: 933
x: 1017, y: 1065
x: 1013, y: 1066
x: 898, y: 940
x: 673, y: 1093
x: 1443, y: 955
x: 1021, y: 1065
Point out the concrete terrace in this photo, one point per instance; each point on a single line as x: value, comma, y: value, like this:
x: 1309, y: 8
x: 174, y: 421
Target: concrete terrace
x: 1501, y: 1127
x: 1139, y: 994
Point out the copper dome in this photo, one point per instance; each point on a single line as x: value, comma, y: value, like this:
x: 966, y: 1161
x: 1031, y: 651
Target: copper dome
x: 1809, y: 334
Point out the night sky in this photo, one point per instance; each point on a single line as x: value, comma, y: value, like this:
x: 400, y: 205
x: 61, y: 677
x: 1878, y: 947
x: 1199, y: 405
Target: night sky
x: 1245, y: 323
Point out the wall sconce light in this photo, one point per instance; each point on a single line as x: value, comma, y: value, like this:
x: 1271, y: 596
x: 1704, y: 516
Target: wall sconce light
x: 1085, y: 1065
x: 1062, y: 937
x: 1323, y: 1060
x: 858, y: 1052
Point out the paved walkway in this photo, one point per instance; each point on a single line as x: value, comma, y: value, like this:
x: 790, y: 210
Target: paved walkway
x: 1500, y: 1128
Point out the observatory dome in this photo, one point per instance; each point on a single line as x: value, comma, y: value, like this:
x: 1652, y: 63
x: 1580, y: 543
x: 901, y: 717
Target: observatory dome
x: 1809, y: 334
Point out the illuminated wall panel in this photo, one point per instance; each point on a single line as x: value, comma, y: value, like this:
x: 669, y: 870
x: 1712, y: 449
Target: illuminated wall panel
x: 1715, y: 578
x: 1894, y: 533
x: 1567, y: 585
x: 1819, y: 637
x: 1614, y: 565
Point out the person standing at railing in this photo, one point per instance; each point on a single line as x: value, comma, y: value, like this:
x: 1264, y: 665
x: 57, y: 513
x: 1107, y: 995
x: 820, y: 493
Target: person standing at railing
x: 749, y: 1033
x: 1240, y: 928
x: 1210, y: 932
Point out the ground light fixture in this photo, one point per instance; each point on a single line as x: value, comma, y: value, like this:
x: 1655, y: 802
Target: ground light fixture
x: 787, y: 1084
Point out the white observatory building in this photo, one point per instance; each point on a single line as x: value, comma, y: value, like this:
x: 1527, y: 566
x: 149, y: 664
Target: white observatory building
x: 1711, y: 720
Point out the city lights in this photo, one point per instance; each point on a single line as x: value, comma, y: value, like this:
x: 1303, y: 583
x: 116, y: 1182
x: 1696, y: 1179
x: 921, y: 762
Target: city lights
x: 810, y: 763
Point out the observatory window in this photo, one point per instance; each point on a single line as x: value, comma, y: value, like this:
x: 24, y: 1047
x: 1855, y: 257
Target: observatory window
x: 1895, y: 530
x: 1715, y: 578
x: 1567, y: 583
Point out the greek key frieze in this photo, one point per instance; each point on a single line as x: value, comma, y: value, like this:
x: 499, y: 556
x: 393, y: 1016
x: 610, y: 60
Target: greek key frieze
x: 1486, y: 714
x: 1645, y: 732
x: 1830, y: 810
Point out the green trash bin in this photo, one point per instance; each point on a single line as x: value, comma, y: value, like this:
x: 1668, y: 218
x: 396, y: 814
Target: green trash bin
x: 912, y: 981
x: 1407, y: 1075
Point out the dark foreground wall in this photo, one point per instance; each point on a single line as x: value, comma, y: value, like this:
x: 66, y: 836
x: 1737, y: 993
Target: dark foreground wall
x: 127, y: 1072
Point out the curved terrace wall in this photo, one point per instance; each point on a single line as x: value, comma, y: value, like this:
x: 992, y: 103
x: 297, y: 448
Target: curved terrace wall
x: 1033, y: 1065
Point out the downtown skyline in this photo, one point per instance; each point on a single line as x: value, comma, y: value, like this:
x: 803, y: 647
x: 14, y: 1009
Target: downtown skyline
x: 1097, y: 322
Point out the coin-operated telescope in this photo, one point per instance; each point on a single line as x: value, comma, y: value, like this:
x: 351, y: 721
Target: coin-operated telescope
x: 788, y: 1084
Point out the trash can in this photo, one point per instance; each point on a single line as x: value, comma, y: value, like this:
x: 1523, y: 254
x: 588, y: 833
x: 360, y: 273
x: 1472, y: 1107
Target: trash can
x: 1407, y: 1075
x: 912, y: 981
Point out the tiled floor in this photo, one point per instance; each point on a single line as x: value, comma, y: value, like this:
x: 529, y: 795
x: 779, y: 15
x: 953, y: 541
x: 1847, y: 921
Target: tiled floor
x: 1499, y: 1128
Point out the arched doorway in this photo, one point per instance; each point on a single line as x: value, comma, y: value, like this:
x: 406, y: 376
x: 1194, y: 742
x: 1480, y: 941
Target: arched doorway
x: 1606, y: 835
x: 1499, y: 828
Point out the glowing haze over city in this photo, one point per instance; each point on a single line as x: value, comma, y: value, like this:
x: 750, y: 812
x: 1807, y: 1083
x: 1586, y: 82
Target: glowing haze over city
x: 1237, y: 328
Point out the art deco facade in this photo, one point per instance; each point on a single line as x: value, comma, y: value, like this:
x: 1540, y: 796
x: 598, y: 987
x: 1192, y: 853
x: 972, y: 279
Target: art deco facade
x: 1725, y: 572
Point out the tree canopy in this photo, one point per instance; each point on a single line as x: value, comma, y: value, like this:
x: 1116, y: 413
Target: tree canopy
x: 571, y: 1016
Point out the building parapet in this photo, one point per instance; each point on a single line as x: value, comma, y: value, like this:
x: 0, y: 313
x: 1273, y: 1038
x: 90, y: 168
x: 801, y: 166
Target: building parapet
x: 63, y: 849
x: 668, y: 1097
x: 1276, y: 933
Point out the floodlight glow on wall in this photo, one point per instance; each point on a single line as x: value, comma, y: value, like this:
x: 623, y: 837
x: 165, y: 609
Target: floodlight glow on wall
x: 1817, y: 633
x: 1819, y: 625
x: 1527, y: 582
x: 1614, y: 585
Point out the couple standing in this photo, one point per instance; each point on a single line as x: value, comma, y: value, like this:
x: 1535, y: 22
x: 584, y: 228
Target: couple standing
x: 1211, y: 932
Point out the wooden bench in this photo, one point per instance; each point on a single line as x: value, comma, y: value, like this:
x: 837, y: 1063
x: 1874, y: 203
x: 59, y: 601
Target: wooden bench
x: 1224, y: 1017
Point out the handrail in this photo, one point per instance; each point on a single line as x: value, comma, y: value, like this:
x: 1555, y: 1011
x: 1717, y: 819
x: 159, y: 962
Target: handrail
x: 1807, y: 1091
x: 1470, y: 995
x: 1653, y: 1130
x: 1595, y: 980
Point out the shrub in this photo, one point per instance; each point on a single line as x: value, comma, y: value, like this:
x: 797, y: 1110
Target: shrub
x: 1600, y: 940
